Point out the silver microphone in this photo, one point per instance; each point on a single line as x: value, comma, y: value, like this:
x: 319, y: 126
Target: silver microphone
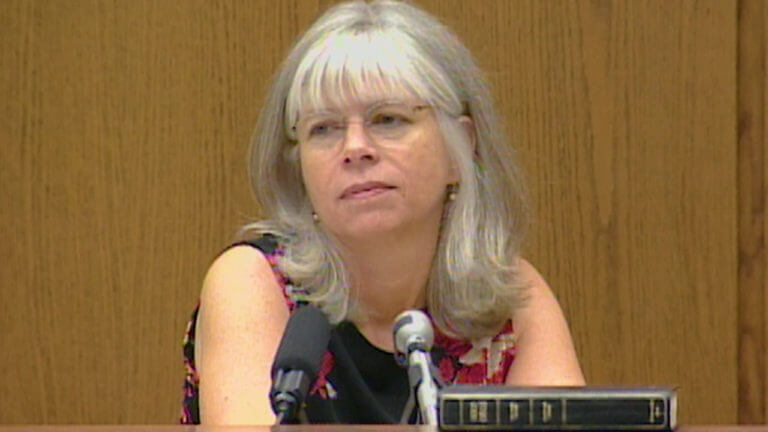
x: 413, y: 335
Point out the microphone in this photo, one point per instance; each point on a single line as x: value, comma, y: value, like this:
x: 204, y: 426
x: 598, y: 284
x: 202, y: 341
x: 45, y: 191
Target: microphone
x: 413, y: 335
x: 297, y: 361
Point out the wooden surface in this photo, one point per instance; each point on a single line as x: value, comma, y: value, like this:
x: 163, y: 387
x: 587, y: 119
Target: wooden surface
x: 764, y: 36
x: 123, y: 130
x: 753, y: 301
x: 630, y: 147
x: 309, y: 428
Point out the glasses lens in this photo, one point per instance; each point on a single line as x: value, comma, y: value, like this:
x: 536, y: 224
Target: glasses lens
x: 382, y: 122
x: 390, y: 121
x: 320, y: 129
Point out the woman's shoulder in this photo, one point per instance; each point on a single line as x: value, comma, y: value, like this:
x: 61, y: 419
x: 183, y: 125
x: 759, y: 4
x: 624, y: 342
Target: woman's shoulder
x: 538, y: 303
x: 245, y: 272
x: 529, y: 279
x: 545, y: 354
x: 241, y: 301
x: 238, y: 260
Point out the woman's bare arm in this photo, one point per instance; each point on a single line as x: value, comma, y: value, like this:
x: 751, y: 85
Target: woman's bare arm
x: 545, y: 355
x: 242, y: 317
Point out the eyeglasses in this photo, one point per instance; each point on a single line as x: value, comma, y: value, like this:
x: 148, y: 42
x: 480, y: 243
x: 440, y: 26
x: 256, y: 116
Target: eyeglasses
x: 387, y: 121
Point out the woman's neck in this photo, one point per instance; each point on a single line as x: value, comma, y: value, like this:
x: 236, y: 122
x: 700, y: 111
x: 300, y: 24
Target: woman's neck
x: 389, y: 273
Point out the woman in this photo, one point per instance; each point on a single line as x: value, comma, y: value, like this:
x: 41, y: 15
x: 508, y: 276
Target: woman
x: 388, y: 185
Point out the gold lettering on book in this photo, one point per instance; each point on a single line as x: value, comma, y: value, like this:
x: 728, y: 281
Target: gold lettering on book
x: 657, y: 411
x: 546, y: 412
x: 564, y: 411
x: 514, y: 412
x: 651, y: 410
x: 478, y: 412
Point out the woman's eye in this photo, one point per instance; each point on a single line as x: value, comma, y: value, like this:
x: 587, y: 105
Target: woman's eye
x: 388, y: 120
x: 319, y: 129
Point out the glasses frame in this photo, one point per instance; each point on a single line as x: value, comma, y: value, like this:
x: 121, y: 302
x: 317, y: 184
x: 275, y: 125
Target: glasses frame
x: 293, y: 131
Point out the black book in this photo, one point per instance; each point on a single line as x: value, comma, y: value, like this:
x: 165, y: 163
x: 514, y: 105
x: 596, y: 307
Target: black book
x: 497, y: 408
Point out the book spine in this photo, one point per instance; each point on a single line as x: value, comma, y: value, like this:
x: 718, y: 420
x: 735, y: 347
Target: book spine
x: 545, y: 413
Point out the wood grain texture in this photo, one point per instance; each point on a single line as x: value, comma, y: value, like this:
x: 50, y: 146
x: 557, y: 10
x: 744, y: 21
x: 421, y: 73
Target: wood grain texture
x: 127, y: 129
x: 124, y: 129
x: 303, y: 428
x: 753, y: 330
x: 624, y: 114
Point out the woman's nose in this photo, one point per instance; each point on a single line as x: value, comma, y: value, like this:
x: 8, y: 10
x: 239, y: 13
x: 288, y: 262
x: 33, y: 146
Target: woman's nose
x: 358, y: 145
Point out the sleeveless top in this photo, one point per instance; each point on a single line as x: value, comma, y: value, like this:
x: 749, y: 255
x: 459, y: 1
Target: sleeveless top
x: 359, y: 383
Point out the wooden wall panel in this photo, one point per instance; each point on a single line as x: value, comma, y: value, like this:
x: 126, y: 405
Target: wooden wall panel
x: 624, y: 113
x: 122, y: 160
x: 753, y: 330
x: 125, y: 129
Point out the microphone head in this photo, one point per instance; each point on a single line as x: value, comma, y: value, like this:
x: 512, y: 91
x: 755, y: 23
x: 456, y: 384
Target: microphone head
x: 304, y: 342
x: 412, y: 330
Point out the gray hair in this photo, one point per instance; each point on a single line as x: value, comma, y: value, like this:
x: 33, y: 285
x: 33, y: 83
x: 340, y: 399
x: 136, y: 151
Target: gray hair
x: 472, y: 288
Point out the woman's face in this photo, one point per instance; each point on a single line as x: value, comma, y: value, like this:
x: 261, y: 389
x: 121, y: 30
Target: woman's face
x: 376, y: 166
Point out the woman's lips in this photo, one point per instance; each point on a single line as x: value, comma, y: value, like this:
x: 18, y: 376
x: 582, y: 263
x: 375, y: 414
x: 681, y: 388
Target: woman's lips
x: 365, y: 190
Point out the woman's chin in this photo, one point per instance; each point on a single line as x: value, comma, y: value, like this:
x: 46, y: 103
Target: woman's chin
x: 367, y: 228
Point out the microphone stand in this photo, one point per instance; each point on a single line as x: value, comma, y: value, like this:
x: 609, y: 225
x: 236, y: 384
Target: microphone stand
x: 426, y: 382
x: 413, y: 336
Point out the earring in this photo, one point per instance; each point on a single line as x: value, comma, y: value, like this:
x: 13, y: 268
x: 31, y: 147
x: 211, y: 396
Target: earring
x: 315, y: 217
x: 453, y: 191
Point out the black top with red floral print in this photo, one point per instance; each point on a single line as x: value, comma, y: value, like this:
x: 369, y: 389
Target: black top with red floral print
x: 358, y: 382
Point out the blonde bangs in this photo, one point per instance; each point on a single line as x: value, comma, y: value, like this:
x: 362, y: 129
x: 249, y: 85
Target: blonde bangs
x: 362, y: 67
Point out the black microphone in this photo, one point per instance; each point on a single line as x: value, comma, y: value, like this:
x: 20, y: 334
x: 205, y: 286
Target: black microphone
x: 414, y: 336
x: 297, y: 361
